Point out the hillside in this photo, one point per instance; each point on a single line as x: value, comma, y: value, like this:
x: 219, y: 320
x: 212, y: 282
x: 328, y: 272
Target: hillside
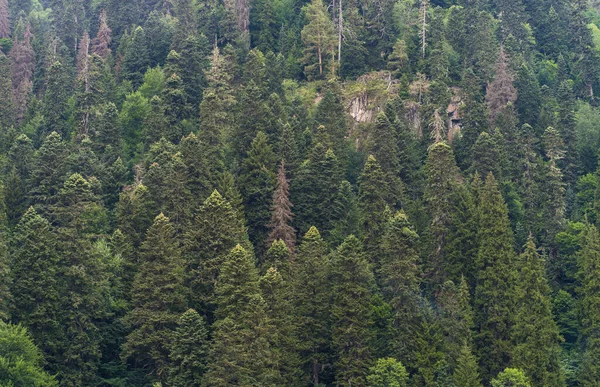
x: 299, y: 193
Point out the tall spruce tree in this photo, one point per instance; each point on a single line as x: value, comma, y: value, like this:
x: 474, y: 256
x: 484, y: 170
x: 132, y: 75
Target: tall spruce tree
x: 158, y: 299
x: 352, y: 280
x: 311, y: 305
x: 242, y: 348
x: 536, y: 335
x: 495, y: 295
x: 188, y: 351
x: 590, y: 319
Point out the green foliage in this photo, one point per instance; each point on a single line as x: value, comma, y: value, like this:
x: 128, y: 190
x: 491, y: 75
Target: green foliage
x: 387, y: 373
x: 512, y: 377
x: 20, y: 359
x: 188, y: 350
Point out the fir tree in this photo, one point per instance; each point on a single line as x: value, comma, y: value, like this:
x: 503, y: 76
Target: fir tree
x: 374, y: 198
x: 4, y: 20
x: 346, y: 217
x: 215, y: 230
x: 352, y: 279
x: 466, y: 372
x: 136, y: 60
x: 589, y: 266
x: 257, y: 183
x: 242, y: 352
x: 188, y: 350
x: 6, y: 109
x: 311, y: 304
x: 495, y: 290
x: 55, y: 109
x: 158, y: 299
x: 281, y: 209
x: 536, y: 335
x: 501, y: 92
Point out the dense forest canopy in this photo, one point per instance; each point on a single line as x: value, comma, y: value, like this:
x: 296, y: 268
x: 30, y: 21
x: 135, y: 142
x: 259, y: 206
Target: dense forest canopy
x: 300, y: 193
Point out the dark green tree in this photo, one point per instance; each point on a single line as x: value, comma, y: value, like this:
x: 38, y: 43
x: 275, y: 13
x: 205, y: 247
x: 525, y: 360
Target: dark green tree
x: 137, y: 58
x: 495, y: 294
x: 158, y: 300
x: 352, y: 279
x: 188, y: 351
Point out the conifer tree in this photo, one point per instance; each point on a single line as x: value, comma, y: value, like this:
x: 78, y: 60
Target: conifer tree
x: 311, y: 304
x: 385, y: 150
x: 101, y: 43
x: 330, y: 119
x: 318, y: 37
x: 536, y: 335
x: 55, y: 109
x: 352, y: 279
x: 215, y: 230
x: 281, y: 209
x: 374, y: 197
x: 257, y: 183
x: 188, y: 351
x: 399, y: 278
x: 5, y: 278
x: 277, y: 292
x: 501, y: 91
x: 36, y: 284
x: 6, y: 109
x: 22, y: 57
x: 158, y: 299
x: 242, y: 352
x: 346, y: 217
x: 136, y: 60
x: 590, y: 320
x: 486, y: 156
x: 466, y: 372
x: 4, y: 19
x: 495, y: 296
x: 314, y: 189
x: 554, y: 206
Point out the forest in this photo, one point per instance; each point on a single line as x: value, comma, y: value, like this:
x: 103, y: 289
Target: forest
x: 327, y: 193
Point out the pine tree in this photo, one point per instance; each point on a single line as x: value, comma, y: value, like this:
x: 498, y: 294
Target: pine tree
x: 536, y: 335
x: 352, y: 279
x: 281, y: 209
x: 494, y: 300
x: 158, y: 299
x: 241, y: 353
x: 590, y: 320
x: 188, y: 350
x: 318, y: 37
x: 215, y: 230
x: 101, y: 43
x: 136, y: 60
x: 257, y: 183
x: 311, y: 304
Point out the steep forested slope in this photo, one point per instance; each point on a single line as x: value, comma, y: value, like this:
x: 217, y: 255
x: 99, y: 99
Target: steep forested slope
x: 293, y: 193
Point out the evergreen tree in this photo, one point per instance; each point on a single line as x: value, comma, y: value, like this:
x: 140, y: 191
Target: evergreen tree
x: 536, y: 335
x: 495, y: 295
x: 188, y: 350
x: 501, y: 92
x: 311, y: 304
x: 6, y: 109
x: 22, y: 58
x: 241, y: 353
x: 466, y: 372
x: 554, y: 207
x: 136, y: 60
x: 589, y: 266
x: 4, y: 20
x: 352, y: 279
x: 374, y: 197
x: 158, y: 299
x: 346, y: 217
x: 101, y: 43
x: 281, y: 209
x: 215, y: 230
x: 56, y: 110
x: 318, y: 36
x: 257, y: 183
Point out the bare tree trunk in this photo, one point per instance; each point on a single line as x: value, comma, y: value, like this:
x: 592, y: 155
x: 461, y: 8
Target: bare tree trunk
x: 320, y: 61
x: 340, y: 29
x: 424, y: 27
